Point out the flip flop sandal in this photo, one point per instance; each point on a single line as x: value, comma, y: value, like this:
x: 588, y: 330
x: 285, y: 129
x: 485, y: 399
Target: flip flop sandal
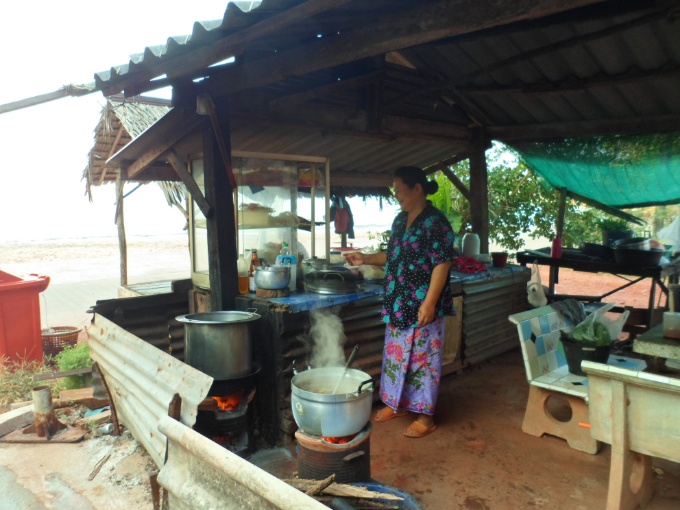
x: 388, y: 414
x: 417, y: 429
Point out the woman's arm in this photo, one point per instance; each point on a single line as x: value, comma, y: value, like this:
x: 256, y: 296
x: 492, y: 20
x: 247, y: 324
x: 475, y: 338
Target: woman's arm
x: 373, y: 259
x: 438, y: 279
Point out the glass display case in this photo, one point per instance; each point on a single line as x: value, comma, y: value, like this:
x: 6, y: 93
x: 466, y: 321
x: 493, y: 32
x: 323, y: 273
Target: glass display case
x: 276, y: 202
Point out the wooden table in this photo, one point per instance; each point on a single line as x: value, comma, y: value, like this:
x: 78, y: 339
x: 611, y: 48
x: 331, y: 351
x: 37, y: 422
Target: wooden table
x: 575, y: 260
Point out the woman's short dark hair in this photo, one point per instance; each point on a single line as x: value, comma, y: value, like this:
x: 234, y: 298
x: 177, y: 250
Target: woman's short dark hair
x: 412, y: 175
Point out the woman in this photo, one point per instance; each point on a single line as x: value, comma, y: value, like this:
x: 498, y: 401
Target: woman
x: 417, y: 299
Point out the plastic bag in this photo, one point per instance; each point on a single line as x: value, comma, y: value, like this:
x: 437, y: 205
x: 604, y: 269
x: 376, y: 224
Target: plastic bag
x: 535, y: 291
x: 598, y: 329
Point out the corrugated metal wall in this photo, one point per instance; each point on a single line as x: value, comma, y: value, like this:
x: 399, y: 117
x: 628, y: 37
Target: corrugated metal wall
x: 487, y: 304
x: 142, y: 381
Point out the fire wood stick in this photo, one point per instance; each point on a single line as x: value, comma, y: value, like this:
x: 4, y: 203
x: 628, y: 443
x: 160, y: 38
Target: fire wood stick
x: 316, y: 489
x: 98, y: 466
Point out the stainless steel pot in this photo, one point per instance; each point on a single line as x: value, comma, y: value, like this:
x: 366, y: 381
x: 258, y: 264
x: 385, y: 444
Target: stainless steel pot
x: 320, y: 413
x: 332, y: 281
x: 272, y: 277
x: 314, y: 264
x: 219, y: 344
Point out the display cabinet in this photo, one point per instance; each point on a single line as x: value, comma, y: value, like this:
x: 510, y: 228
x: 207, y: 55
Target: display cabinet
x: 277, y: 200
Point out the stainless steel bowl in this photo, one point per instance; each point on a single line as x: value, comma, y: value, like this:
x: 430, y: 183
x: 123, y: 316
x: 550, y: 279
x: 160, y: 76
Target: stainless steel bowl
x: 272, y: 277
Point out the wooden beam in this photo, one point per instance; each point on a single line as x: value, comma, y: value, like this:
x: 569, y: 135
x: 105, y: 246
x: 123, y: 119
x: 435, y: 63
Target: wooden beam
x: 189, y: 182
x: 291, y: 101
x: 120, y: 227
x: 532, y: 132
x: 606, y: 208
x: 479, y: 189
x: 171, y: 137
x: 234, y: 44
x: 456, y: 182
x: 356, y: 179
x: 114, y: 147
x: 398, y: 29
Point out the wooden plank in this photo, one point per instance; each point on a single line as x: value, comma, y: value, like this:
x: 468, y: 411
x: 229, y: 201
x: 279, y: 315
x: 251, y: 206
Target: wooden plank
x: 114, y: 147
x: 189, y: 182
x: 172, y: 136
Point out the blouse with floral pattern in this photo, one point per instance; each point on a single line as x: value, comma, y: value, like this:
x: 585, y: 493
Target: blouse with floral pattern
x: 411, y: 256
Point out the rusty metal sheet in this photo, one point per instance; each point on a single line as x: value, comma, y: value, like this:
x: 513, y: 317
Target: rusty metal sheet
x: 200, y: 474
x: 142, y: 380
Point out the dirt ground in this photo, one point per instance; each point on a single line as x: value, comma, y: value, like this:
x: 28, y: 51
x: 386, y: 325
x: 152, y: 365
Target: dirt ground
x: 478, y: 460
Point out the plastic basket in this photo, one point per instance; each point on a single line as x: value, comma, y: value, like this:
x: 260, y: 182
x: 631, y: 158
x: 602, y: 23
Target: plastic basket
x: 55, y: 339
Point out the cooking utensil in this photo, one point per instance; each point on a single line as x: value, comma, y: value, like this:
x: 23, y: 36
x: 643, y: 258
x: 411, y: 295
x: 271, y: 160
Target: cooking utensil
x: 597, y: 250
x: 320, y: 413
x: 638, y: 258
x: 314, y: 264
x: 219, y: 344
x: 272, y: 277
x: 349, y: 362
x: 331, y: 282
x: 634, y: 243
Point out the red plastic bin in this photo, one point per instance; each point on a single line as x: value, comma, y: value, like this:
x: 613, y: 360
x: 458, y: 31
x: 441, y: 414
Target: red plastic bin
x: 20, y: 330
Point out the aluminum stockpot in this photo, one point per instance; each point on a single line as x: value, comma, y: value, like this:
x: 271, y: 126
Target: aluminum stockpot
x: 272, y: 277
x: 320, y: 413
x: 219, y: 344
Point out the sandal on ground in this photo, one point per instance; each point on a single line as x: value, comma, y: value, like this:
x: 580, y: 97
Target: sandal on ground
x: 417, y: 429
x: 387, y: 413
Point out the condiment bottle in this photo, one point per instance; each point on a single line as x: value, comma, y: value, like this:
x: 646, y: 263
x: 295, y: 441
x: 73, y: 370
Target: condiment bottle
x: 243, y: 268
x: 254, y: 262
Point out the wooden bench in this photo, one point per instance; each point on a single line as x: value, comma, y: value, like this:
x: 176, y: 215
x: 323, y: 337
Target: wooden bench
x: 548, y: 376
x: 638, y: 413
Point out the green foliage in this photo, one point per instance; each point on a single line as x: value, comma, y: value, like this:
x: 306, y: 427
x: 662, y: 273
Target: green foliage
x: 591, y: 333
x: 612, y: 224
x: 443, y: 200
x: 17, y: 379
x: 74, y: 358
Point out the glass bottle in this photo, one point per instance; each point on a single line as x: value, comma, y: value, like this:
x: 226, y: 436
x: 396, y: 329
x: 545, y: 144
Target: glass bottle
x: 254, y: 262
x: 243, y: 268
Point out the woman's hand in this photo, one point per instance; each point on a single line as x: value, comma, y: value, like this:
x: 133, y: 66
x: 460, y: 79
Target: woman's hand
x: 355, y: 258
x: 425, y: 314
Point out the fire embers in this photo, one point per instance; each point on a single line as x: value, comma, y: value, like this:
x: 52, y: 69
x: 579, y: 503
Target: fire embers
x: 339, y: 440
x: 225, y: 419
x: 230, y: 402
x: 348, y: 457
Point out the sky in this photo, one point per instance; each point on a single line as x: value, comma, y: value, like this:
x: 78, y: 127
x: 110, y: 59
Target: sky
x: 45, y: 45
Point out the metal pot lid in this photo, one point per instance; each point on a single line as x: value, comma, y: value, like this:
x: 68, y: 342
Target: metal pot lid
x: 224, y: 317
x: 331, y: 282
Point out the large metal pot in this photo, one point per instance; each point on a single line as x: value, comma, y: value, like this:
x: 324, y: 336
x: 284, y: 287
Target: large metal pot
x: 219, y: 344
x: 272, y: 277
x: 634, y: 243
x: 320, y: 413
x: 332, y: 281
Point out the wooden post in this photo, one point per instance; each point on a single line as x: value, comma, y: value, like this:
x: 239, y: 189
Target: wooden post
x: 221, y: 228
x: 120, y: 224
x: 479, y: 184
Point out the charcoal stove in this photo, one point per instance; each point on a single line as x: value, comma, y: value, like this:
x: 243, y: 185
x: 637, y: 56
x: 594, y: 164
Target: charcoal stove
x: 226, y: 415
x: 349, y: 458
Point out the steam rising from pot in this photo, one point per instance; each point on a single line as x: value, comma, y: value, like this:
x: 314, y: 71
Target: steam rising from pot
x: 329, y: 338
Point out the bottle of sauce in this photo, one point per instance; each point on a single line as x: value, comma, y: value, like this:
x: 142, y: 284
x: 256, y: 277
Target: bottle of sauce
x: 243, y: 268
x: 254, y: 262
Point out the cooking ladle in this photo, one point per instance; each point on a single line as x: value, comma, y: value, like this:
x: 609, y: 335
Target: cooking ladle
x: 344, y: 372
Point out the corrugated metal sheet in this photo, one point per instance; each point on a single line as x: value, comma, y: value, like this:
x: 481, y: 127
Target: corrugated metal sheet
x: 201, y: 475
x: 487, y: 304
x: 142, y: 381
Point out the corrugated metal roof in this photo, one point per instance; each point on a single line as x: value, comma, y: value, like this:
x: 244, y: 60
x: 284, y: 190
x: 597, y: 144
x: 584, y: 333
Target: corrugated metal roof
x: 610, y: 67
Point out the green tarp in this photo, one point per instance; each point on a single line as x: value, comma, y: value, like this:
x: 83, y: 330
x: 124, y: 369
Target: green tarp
x: 618, y: 171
